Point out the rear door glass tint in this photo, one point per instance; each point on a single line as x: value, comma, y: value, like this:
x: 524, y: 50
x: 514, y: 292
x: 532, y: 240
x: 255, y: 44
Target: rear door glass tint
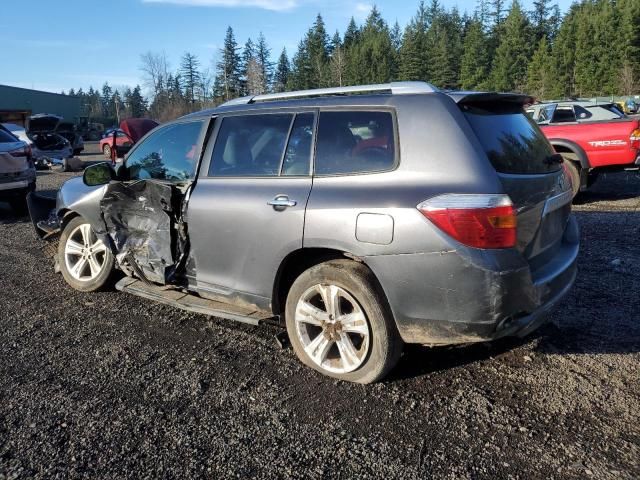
x: 354, y: 142
x: 512, y: 141
x: 250, y: 145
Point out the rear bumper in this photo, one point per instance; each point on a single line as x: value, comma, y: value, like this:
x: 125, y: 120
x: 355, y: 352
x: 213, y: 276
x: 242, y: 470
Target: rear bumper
x: 469, y: 296
x: 17, y: 185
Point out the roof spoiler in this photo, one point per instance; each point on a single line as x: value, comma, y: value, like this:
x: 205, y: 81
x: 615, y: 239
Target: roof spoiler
x: 477, y: 97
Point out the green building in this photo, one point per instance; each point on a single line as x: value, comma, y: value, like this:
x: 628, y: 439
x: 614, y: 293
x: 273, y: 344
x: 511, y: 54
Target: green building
x: 17, y: 104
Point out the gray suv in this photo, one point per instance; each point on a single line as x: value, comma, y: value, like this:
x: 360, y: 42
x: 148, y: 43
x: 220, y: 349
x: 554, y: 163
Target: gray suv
x: 360, y: 218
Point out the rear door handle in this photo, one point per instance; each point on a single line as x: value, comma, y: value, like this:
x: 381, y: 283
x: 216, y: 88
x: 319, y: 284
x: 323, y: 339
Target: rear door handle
x: 281, y: 202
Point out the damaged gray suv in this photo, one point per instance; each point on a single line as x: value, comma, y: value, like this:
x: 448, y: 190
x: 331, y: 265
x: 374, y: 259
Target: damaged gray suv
x: 360, y: 218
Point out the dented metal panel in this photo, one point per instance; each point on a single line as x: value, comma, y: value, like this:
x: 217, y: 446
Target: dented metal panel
x: 140, y: 219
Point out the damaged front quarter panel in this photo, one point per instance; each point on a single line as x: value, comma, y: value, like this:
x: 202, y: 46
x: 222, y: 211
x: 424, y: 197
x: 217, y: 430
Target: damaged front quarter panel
x: 140, y: 220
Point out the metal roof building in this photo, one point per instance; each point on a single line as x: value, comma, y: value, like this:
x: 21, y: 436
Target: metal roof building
x: 16, y: 104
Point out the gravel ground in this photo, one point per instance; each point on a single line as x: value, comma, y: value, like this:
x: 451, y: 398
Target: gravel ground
x: 108, y: 385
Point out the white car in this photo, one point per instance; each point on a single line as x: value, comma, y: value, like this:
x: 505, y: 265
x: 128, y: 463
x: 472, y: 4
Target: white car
x: 17, y: 172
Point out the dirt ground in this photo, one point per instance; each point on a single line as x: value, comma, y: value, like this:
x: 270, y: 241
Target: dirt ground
x: 107, y: 385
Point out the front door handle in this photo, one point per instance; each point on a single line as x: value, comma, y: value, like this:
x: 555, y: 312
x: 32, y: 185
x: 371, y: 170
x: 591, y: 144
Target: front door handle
x: 282, y: 202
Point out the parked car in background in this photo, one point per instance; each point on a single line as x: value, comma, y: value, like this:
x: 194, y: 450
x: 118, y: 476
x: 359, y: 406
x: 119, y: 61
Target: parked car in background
x: 592, y: 138
x: 629, y: 106
x: 68, y: 130
x: 41, y: 130
x: 129, y: 132
x: 17, y: 171
x: 399, y: 214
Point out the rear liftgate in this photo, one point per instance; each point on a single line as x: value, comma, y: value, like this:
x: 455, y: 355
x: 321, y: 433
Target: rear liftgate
x: 145, y: 224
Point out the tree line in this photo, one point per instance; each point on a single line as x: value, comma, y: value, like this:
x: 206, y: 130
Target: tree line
x: 591, y: 50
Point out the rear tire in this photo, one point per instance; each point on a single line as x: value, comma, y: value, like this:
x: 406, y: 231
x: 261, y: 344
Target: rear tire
x: 350, y: 336
x: 85, y: 262
x: 19, y: 205
x: 574, y: 174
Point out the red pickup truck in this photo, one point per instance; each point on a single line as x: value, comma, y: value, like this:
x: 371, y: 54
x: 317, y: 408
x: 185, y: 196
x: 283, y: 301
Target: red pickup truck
x: 593, y: 137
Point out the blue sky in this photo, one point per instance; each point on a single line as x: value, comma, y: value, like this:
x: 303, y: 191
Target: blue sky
x: 77, y: 43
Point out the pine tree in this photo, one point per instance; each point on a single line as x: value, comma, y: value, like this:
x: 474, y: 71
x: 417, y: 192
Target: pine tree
x: 513, y: 52
x: 300, y: 76
x: 318, y: 51
x: 540, y: 19
x: 189, y: 71
x: 137, y: 103
x: 474, y: 69
x: 540, y: 72
x: 228, y: 69
x: 351, y: 34
x: 263, y: 56
x: 281, y: 77
x: 373, y: 56
x: 414, y: 56
x: 107, y: 105
x: 337, y: 62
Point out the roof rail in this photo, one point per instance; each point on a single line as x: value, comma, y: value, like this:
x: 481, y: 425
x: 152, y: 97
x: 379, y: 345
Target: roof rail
x: 395, y: 88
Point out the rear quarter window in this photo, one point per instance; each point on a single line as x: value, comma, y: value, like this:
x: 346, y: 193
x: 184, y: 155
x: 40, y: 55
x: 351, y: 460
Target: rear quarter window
x: 512, y: 141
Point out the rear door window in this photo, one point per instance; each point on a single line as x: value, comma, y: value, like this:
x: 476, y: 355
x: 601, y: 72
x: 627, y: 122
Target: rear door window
x: 564, y: 115
x: 512, y: 141
x: 354, y: 142
x: 250, y: 145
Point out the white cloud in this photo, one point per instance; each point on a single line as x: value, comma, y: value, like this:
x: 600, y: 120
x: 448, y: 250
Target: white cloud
x: 275, y: 5
x: 362, y: 10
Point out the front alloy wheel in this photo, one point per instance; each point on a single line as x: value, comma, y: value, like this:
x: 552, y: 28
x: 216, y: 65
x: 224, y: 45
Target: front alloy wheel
x: 84, y: 254
x: 85, y: 261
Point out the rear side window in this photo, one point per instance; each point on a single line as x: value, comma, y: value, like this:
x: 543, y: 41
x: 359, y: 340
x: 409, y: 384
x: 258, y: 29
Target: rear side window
x: 250, y: 145
x: 354, y: 142
x: 511, y: 140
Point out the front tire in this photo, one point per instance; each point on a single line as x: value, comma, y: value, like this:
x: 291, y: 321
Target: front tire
x: 339, y: 324
x: 85, y: 262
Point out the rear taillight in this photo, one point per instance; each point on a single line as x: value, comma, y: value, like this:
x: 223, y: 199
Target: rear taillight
x: 21, y: 152
x: 634, y: 139
x: 480, y: 221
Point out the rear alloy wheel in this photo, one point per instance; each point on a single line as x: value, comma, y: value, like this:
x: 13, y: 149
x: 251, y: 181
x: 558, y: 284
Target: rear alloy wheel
x: 106, y: 149
x: 85, y: 261
x: 339, y: 325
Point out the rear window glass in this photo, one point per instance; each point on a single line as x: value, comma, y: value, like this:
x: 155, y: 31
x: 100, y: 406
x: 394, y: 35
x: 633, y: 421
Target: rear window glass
x: 6, y: 137
x: 512, y: 141
x: 354, y: 142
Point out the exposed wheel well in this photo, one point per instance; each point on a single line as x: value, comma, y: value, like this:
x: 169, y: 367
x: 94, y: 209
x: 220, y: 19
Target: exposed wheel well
x: 293, y: 265
x: 567, y: 153
x: 66, y: 216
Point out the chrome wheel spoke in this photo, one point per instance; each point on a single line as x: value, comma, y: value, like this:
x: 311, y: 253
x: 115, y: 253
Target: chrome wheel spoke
x: 318, y: 348
x: 85, y: 230
x: 348, y: 353
x: 78, y: 268
x: 354, y: 323
x: 74, y: 248
x: 98, y: 247
x: 307, y: 313
x: 94, y: 265
x: 331, y: 298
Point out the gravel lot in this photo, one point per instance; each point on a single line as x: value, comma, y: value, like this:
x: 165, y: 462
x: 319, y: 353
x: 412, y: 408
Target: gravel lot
x: 108, y: 385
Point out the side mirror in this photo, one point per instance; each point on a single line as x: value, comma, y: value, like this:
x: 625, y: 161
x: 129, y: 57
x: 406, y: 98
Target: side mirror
x: 98, y: 174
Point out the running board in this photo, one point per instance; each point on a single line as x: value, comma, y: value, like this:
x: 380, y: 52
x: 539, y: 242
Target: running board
x: 193, y: 303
